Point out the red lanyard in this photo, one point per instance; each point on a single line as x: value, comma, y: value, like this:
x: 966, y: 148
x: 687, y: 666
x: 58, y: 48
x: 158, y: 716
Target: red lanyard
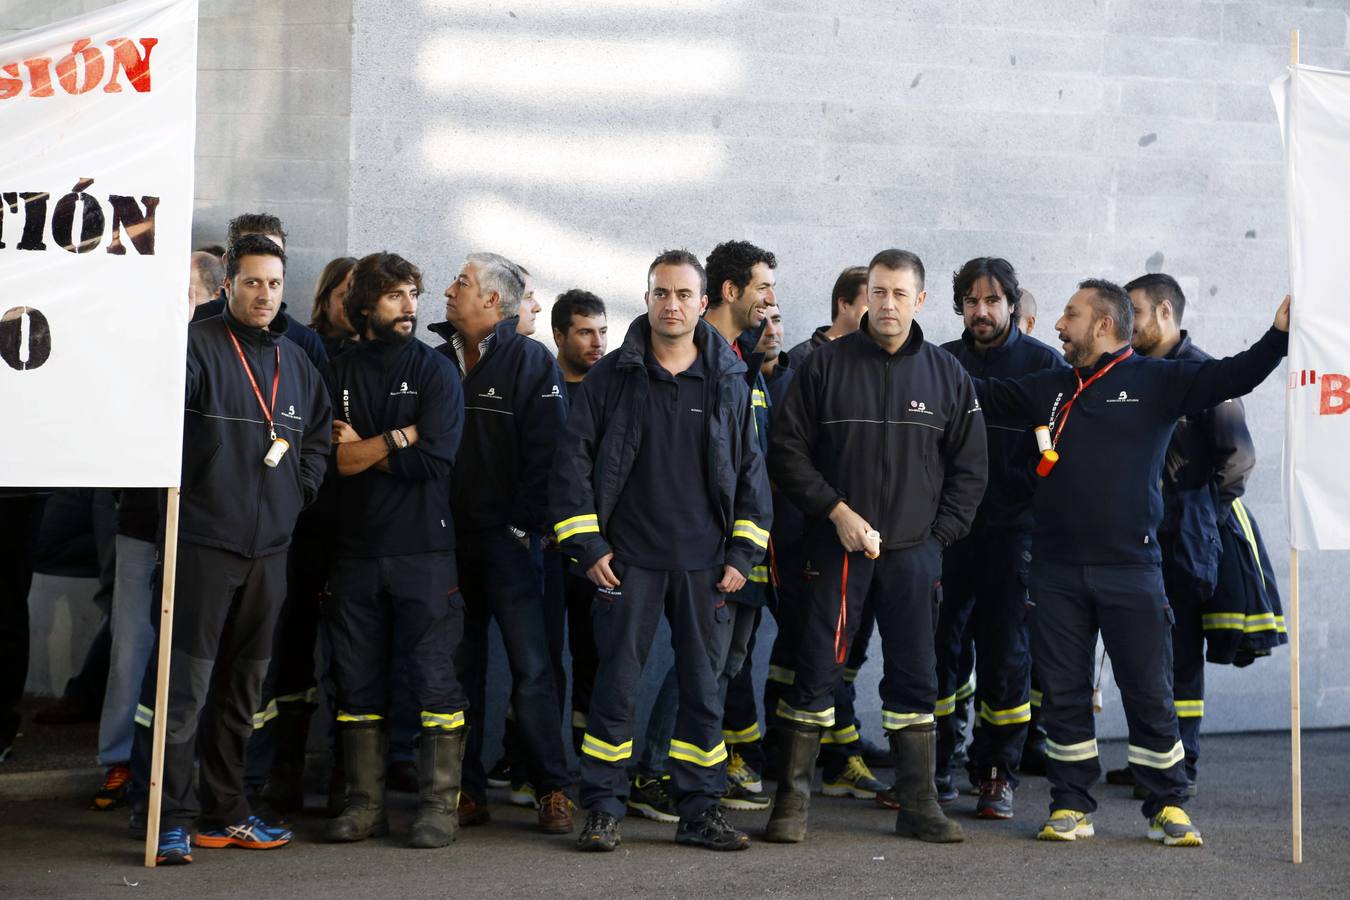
x: 253, y: 382
x: 1083, y: 386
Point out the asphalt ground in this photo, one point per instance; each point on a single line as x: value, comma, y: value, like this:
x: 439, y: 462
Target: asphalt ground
x: 55, y: 847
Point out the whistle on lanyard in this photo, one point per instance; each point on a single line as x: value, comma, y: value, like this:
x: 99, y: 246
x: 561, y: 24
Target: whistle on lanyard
x: 1049, y: 456
x: 277, y: 451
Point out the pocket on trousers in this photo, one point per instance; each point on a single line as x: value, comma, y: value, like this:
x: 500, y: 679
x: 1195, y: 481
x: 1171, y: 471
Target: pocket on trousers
x: 721, y: 611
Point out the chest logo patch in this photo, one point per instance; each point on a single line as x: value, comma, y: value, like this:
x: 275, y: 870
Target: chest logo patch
x: 403, y: 390
x: 1124, y: 398
x: 491, y: 394
x: 917, y: 406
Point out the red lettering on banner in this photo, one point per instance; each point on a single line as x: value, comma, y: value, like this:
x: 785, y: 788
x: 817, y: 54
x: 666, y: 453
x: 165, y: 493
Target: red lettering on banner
x: 1335, y: 394
x: 86, y: 59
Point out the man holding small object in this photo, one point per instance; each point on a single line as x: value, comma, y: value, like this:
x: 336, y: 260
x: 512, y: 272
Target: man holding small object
x: 1095, y: 556
x: 393, y: 583
x: 881, y: 445
x: 255, y: 446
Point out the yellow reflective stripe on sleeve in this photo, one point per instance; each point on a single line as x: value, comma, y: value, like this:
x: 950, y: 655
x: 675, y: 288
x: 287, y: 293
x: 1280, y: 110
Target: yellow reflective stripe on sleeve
x: 1240, y: 512
x: 1259, y: 622
x: 1142, y: 756
x: 945, y: 706
x: 782, y: 675
x: 691, y: 753
x: 1079, y: 752
x: 265, y: 715
x: 144, y: 715
x: 967, y: 689
x: 744, y: 736
x: 593, y: 746
x: 824, y: 718
x: 1036, y: 698
x: 759, y: 574
x: 1227, y: 621
x: 587, y: 524
x: 894, y: 721
x: 850, y: 676
x: 841, y: 735
x: 578, y: 719
x: 744, y: 528
x: 344, y: 716
x: 1017, y: 715
x: 757, y: 398
x: 1189, y: 709
x: 443, y: 721
x: 1279, y: 625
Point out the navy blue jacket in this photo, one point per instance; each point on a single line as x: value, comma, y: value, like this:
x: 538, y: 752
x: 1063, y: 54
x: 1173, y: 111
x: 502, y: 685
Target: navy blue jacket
x: 377, y: 386
x: 788, y: 522
x: 604, y: 429
x: 1012, y: 445
x: 801, y: 351
x: 1101, y: 504
x: 1205, y: 470
x: 514, y: 409
x: 294, y: 330
x: 899, y: 437
x: 230, y: 500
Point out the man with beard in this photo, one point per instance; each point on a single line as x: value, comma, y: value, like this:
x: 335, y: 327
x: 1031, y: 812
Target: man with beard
x: 984, y: 574
x: 1208, y: 461
x: 1096, y: 561
x: 400, y: 413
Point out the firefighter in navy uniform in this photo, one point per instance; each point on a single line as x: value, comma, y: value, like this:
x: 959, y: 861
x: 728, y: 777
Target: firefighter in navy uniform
x: 659, y: 493
x: 984, y: 574
x: 1095, y: 553
x: 255, y: 447
x: 393, y: 583
x: 881, y: 445
x: 1208, y: 461
x: 515, y: 408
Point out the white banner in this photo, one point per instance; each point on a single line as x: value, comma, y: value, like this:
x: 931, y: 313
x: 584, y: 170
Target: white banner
x: 1314, y: 108
x: 97, y: 124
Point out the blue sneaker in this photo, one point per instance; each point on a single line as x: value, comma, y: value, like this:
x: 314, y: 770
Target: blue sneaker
x: 175, y: 848
x: 251, y: 834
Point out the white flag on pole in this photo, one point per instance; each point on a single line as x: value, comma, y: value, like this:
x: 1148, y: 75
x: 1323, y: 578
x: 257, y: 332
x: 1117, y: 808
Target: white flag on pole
x: 1314, y: 110
x: 97, y: 125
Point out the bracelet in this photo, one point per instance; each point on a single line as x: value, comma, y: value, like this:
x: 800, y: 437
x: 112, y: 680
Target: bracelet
x: 403, y: 437
x: 390, y: 442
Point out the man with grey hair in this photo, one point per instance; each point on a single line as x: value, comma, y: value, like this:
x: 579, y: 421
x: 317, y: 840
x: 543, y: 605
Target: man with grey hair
x: 515, y: 408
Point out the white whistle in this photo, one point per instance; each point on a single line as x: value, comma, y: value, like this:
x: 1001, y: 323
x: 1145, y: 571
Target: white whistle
x: 1043, y: 438
x: 872, y: 544
x: 274, y: 455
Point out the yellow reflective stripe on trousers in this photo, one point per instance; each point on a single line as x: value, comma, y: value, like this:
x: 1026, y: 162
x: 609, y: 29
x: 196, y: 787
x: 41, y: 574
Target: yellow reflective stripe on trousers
x: 945, y: 706
x: 744, y: 736
x: 744, y: 528
x: 586, y: 524
x: 692, y: 753
x: 782, y: 675
x: 578, y: 719
x: 824, y: 718
x: 759, y: 574
x: 850, y: 675
x: 894, y: 721
x: 1240, y: 513
x: 593, y: 746
x: 144, y: 715
x: 309, y: 696
x: 1142, y: 756
x: 1017, y: 715
x: 344, y: 716
x: 967, y: 689
x: 841, y: 735
x: 265, y: 715
x: 1080, y: 752
x: 1036, y: 698
x: 444, y: 721
x: 1189, y: 709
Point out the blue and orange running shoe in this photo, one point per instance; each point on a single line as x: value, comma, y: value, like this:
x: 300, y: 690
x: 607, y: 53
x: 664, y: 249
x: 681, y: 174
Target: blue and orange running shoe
x: 251, y: 834
x: 175, y: 848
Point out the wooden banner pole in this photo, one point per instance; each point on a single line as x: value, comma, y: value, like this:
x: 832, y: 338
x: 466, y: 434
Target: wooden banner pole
x: 161, y: 718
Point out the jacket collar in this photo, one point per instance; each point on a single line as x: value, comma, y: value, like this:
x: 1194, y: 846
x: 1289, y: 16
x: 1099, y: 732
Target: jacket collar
x: 502, y: 333
x: 1104, y: 360
x: 264, y: 336
x: 1182, y: 347
x: 863, y: 338
x: 748, y: 341
x: 716, y: 353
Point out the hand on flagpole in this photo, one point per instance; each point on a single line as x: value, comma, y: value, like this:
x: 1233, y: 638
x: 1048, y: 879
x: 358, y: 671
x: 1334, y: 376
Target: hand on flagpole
x: 1282, y: 316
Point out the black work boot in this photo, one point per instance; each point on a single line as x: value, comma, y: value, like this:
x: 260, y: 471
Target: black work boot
x: 285, y: 788
x: 798, y: 745
x: 363, y: 751
x: 915, y: 752
x: 440, y: 757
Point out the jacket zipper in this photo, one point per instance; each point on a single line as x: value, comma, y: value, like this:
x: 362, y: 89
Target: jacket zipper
x: 885, y: 435
x: 258, y: 474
